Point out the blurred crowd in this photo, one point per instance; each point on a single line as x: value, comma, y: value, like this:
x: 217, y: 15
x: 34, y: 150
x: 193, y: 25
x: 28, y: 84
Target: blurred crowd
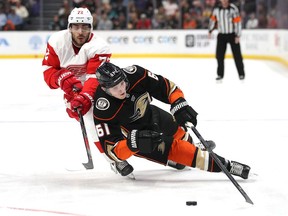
x: 145, y: 14
x: 16, y: 14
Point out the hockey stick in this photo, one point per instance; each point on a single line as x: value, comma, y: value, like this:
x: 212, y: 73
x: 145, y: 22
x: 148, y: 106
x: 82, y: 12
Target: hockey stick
x: 216, y: 159
x: 89, y: 164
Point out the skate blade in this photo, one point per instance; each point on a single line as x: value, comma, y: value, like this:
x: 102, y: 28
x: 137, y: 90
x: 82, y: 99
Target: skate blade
x: 131, y: 176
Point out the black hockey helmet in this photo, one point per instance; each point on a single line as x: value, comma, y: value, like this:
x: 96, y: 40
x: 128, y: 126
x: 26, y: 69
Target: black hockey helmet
x: 109, y: 75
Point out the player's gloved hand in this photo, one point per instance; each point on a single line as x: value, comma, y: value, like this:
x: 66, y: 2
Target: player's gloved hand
x: 144, y: 141
x: 183, y: 112
x: 68, y: 82
x: 82, y: 101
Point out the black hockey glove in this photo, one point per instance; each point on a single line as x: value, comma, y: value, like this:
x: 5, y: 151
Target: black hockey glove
x: 144, y: 141
x: 183, y: 112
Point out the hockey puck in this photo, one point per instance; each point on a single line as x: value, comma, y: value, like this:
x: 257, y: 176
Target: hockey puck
x: 191, y: 203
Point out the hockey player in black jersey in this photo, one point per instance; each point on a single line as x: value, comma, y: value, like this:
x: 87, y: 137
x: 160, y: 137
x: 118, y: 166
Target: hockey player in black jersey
x: 128, y: 124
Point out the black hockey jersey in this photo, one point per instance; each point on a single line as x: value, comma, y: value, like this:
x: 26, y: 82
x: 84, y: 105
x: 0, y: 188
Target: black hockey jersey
x: 114, y: 118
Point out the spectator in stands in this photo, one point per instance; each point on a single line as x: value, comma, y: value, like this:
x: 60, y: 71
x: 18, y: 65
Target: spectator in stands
x: 16, y: 19
x: 172, y: 14
x: 9, y: 26
x: 143, y: 22
x: 206, y: 13
x: 159, y: 18
x: 197, y: 7
x: 189, y: 21
x: 13, y: 2
x: 132, y: 20
x: 124, y: 14
x: 34, y: 8
x: 120, y: 23
x: 249, y: 6
x: 91, y: 5
x: 104, y: 23
x: 118, y: 8
x: 185, y: 7
x: 262, y: 15
x: 171, y: 7
x: 262, y: 21
x: 141, y: 6
x: 63, y: 14
x: 131, y: 7
x: 21, y: 11
x: 150, y: 10
x: 3, y: 18
x: 172, y: 22
x: 252, y: 22
x: 55, y: 25
x: 211, y: 3
x: 105, y: 7
x: 283, y: 21
x: 271, y: 21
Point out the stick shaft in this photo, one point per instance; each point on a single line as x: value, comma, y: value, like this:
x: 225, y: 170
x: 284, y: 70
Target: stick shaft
x: 89, y: 164
x: 222, y: 167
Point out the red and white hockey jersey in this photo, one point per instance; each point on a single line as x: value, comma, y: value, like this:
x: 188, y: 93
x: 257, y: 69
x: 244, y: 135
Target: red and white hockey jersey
x: 61, y: 54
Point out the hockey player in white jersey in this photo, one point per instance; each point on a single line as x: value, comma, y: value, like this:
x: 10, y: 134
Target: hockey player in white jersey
x: 71, y: 59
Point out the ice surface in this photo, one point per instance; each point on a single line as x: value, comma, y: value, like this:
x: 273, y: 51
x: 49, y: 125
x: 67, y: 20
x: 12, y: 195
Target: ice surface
x: 248, y: 120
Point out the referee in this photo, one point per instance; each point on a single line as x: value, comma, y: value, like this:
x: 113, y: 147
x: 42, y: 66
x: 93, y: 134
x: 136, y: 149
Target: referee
x: 226, y: 18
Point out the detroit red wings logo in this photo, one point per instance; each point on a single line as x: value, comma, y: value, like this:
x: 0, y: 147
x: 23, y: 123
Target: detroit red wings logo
x: 78, y: 70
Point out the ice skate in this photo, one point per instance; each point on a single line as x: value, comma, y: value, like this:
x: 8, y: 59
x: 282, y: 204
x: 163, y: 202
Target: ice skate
x: 175, y: 165
x: 123, y: 167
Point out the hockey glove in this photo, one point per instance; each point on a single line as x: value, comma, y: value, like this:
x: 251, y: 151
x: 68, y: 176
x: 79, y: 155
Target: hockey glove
x: 68, y: 82
x: 81, y: 101
x: 144, y: 141
x: 183, y: 112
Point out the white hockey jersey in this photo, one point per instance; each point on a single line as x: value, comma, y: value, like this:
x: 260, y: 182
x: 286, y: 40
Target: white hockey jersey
x: 61, y: 54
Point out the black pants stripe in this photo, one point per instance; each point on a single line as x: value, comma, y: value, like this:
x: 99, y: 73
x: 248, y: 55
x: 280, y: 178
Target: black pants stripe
x: 222, y: 41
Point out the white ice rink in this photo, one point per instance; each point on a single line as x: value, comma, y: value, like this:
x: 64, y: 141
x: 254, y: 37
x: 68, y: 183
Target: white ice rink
x: 247, y: 120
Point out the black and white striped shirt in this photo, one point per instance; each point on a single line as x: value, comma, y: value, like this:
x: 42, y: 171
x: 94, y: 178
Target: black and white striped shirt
x: 227, y: 20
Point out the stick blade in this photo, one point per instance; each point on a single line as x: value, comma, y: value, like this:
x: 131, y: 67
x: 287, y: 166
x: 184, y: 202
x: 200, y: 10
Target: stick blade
x: 89, y: 165
x: 248, y: 200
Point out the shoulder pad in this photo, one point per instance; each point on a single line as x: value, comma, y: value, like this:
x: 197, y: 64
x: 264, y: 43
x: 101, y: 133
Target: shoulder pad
x: 60, y: 38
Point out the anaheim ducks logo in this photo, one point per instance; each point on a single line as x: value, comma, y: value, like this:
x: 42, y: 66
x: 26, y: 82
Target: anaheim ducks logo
x: 140, y: 106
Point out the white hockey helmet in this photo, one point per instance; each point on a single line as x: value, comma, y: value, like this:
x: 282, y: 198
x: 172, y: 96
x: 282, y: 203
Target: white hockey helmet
x: 80, y: 15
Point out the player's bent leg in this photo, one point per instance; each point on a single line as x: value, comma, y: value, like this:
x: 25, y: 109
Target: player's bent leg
x: 235, y: 168
x: 184, y: 153
x: 122, y: 167
x: 185, y: 137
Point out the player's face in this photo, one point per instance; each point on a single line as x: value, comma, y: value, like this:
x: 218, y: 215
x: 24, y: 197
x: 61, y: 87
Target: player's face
x: 80, y: 33
x: 119, y: 91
